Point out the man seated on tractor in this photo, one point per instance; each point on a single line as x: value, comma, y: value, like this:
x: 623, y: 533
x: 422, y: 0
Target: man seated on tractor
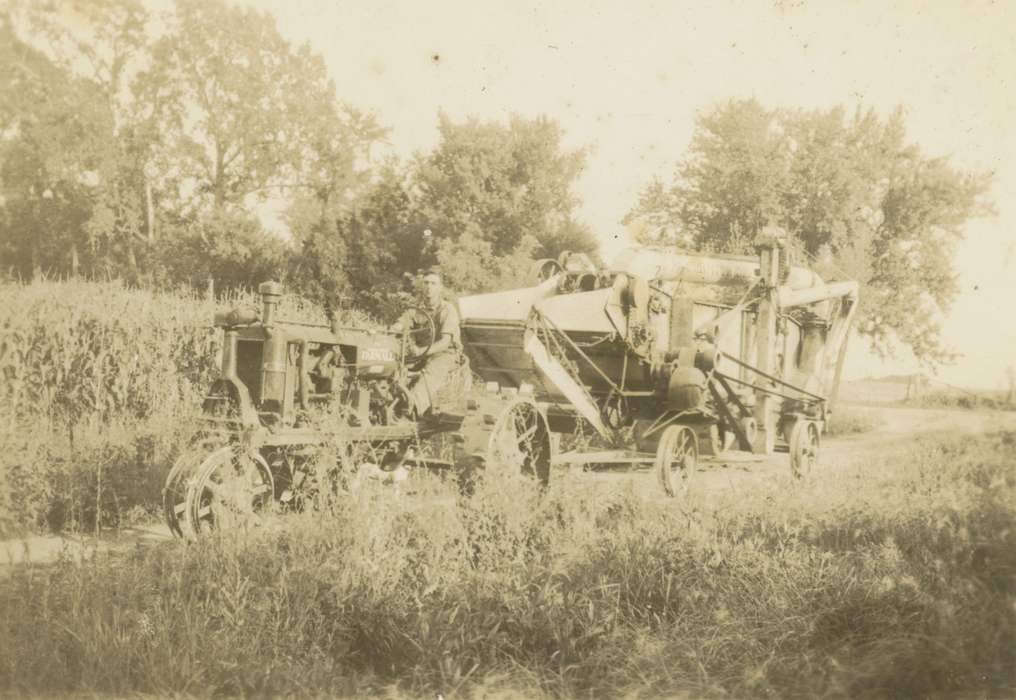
x: 438, y: 363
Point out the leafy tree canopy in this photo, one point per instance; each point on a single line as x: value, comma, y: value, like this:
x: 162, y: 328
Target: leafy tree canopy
x: 146, y: 157
x: 360, y: 253
x: 234, y: 100
x: 48, y: 117
x: 111, y: 140
x: 500, y: 183
x: 229, y: 247
x: 850, y: 189
x: 489, y: 199
x: 246, y: 116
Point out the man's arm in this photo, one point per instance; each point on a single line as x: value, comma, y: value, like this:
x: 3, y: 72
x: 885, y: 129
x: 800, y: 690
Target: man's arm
x: 447, y: 332
x: 440, y: 345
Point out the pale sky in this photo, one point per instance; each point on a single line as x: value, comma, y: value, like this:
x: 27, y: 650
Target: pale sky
x: 627, y: 79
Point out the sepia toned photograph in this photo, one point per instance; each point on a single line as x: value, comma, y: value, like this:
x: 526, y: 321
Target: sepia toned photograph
x: 377, y: 348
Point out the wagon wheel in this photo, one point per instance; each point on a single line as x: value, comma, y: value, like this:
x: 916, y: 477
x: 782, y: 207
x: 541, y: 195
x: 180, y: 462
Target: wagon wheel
x: 174, y: 493
x: 521, y: 436
x: 677, y: 459
x: 803, y: 443
x: 232, y: 488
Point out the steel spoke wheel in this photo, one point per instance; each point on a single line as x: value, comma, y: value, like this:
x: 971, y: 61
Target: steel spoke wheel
x: 803, y: 443
x: 232, y: 489
x: 521, y: 437
x: 677, y: 459
x: 174, y: 492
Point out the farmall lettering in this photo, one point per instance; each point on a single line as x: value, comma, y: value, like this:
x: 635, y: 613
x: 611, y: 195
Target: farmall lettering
x: 378, y: 355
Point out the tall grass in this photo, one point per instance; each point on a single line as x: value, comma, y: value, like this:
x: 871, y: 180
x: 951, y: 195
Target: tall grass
x: 887, y: 579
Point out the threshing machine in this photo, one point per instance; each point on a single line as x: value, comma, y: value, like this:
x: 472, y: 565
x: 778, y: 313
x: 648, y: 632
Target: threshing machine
x: 670, y: 356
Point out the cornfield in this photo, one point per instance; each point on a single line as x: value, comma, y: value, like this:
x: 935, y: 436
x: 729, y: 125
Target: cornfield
x: 102, y: 382
x: 74, y: 352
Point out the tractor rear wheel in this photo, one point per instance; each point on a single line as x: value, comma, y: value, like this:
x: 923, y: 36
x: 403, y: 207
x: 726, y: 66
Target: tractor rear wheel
x: 518, y: 437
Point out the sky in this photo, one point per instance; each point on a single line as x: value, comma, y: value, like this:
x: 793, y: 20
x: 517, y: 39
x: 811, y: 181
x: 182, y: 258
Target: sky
x: 626, y: 79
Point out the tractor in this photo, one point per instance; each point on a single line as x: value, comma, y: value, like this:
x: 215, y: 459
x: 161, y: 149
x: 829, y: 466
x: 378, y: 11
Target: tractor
x: 288, y: 393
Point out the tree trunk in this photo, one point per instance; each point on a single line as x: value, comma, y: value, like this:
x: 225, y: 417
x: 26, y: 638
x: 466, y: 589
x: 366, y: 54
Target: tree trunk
x: 75, y: 263
x: 219, y: 185
x: 33, y: 247
x: 149, y: 212
x: 132, y: 261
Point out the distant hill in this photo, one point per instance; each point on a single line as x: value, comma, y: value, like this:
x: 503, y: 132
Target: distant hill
x: 888, y: 378
x: 926, y: 391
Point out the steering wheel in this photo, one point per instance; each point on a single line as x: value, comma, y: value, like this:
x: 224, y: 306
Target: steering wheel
x: 421, y: 324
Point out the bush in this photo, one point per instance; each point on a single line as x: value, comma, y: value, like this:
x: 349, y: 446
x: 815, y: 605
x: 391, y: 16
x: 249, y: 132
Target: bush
x: 966, y: 400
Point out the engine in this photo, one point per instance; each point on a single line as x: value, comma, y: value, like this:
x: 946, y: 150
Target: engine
x: 277, y: 371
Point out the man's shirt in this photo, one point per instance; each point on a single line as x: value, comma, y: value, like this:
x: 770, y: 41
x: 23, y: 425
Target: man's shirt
x: 446, y: 322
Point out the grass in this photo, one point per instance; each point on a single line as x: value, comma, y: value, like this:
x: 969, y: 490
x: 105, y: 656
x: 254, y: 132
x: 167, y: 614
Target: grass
x: 852, y: 420
x: 951, y: 398
x: 888, y: 579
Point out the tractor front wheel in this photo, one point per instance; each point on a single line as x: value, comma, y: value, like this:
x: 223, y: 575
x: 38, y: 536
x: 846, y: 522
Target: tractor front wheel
x: 174, y: 493
x: 232, y: 488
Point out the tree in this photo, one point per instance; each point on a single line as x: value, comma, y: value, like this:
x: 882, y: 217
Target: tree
x: 229, y: 247
x: 233, y: 99
x: 47, y: 116
x: 499, y: 184
x: 363, y: 252
x: 322, y: 216
x: 107, y: 137
x: 245, y: 115
x: 470, y: 265
x: 93, y: 48
x: 849, y: 188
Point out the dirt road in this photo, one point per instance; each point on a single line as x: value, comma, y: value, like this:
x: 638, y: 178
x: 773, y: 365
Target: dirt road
x: 899, y: 427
